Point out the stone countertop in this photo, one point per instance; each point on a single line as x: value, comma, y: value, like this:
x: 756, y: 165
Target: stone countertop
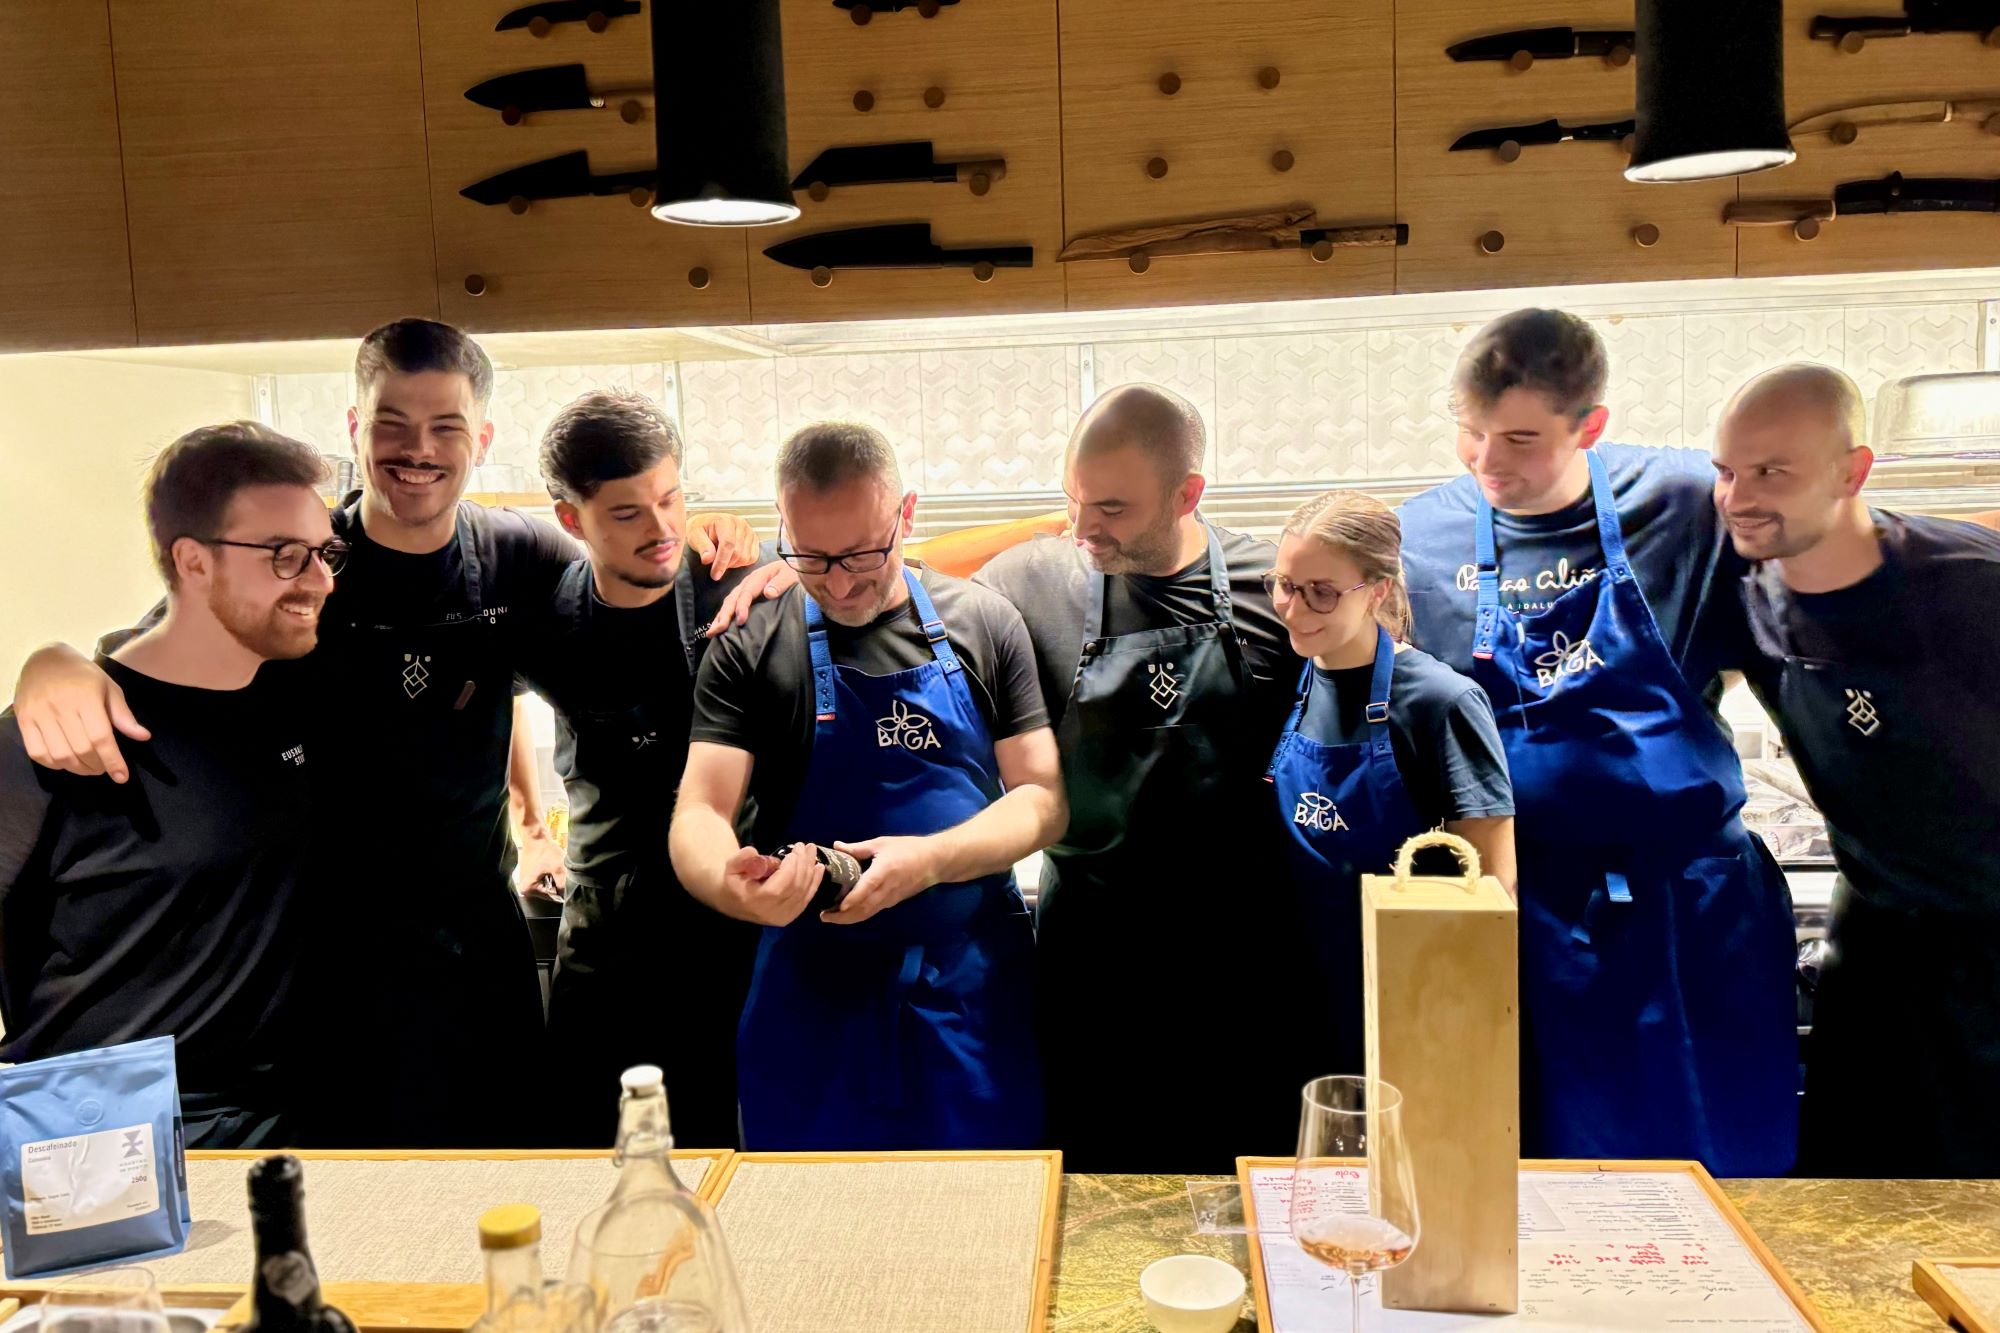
x: 1849, y: 1243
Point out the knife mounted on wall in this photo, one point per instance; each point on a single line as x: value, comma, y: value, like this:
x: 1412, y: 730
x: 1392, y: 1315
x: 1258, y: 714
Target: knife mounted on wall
x: 1919, y: 17
x: 861, y: 11
x: 892, y: 246
x: 564, y: 177
x: 1522, y: 47
x: 554, y: 88
x: 1845, y: 125
x: 1894, y: 193
x: 890, y: 163
x: 593, y: 14
x: 1253, y: 233
x: 1507, y: 141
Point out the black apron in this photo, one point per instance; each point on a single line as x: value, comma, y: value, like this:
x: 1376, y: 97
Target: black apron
x: 1159, y: 1041
x: 427, y: 990
x: 1903, y: 1065
x: 645, y: 972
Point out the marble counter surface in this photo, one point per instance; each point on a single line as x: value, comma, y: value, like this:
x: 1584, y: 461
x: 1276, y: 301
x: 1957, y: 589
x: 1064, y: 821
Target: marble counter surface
x: 1849, y: 1243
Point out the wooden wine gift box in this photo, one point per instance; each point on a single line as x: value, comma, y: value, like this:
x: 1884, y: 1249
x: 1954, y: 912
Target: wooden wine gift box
x: 1440, y: 960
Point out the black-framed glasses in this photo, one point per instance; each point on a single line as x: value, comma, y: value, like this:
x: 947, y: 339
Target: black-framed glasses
x: 1320, y: 595
x: 289, y: 559
x: 854, y: 562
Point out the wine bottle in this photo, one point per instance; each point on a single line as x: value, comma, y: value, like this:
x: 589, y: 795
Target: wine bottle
x: 286, y: 1296
x: 645, y: 1136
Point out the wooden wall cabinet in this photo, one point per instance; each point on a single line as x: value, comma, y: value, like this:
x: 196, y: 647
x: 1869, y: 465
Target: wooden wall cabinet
x: 1560, y: 213
x: 274, y: 167
x: 66, y: 281
x: 595, y: 262
x: 978, y: 80
x: 1187, y: 109
x: 1820, y: 77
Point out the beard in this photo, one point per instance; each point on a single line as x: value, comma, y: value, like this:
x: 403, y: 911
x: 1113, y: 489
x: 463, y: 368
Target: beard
x: 1154, y: 551
x: 270, y: 631
x: 644, y: 573
x: 1772, y: 540
x: 863, y: 612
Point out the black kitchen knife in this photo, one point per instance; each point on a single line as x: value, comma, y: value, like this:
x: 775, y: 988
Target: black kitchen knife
x: 565, y: 11
x: 564, y: 177
x: 886, y: 163
x: 1545, y: 132
x: 1544, y: 44
x: 1897, y: 193
x: 929, y: 7
x: 897, y: 245
x: 1851, y: 32
x: 549, y: 88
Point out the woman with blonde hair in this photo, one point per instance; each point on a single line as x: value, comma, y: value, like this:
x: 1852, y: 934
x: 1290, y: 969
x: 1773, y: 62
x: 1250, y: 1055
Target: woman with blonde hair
x: 1384, y: 742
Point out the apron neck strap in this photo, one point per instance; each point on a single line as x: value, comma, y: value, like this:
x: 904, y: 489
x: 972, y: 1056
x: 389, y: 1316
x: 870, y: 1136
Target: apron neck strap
x: 1218, y: 587
x: 1486, y: 624
x: 822, y: 652
x: 685, y: 610
x: 1378, y: 693
x: 1609, y: 534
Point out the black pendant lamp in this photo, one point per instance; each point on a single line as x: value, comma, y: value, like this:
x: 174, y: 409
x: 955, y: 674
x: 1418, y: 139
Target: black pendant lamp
x: 1711, y: 89
x: 719, y: 98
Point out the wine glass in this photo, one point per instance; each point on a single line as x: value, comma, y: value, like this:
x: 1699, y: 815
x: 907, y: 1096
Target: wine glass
x: 658, y: 1263
x: 1359, y: 1221
x: 112, y: 1300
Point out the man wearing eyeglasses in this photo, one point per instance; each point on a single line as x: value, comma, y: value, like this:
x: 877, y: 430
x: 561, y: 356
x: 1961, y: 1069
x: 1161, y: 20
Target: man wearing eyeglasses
x: 892, y: 714
x: 173, y: 905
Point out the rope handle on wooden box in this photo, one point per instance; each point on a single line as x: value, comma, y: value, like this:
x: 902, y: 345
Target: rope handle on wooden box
x: 1468, y: 856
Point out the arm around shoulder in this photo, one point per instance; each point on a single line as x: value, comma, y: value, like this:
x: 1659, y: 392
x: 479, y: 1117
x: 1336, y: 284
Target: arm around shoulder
x: 71, y: 714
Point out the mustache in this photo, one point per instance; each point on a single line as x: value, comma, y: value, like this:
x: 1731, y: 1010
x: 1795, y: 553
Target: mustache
x: 1748, y: 515
x: 668, y: 545
x: 412, y: 465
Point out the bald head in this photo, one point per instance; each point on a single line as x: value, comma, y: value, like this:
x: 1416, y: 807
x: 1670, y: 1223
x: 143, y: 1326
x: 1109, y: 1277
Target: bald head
x: 1816, y: 403
x: 1158, y: 422
x: 1790, y: 462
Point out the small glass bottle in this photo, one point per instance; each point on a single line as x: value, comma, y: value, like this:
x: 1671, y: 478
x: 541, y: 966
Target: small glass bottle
x: 644, y: 1156
x: 517, y: 1298
x: 286, y: 1297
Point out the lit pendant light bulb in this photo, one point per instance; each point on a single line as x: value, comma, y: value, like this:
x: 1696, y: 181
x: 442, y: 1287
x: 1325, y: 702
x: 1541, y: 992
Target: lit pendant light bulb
x: 1711, y: 90
x: 719, y: 98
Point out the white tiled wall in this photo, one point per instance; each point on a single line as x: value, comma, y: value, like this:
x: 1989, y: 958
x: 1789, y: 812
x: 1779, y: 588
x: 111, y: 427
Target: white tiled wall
x: 1284, y: 408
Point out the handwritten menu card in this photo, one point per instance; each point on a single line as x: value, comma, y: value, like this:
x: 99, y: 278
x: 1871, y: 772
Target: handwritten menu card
x: 1616, y: 1250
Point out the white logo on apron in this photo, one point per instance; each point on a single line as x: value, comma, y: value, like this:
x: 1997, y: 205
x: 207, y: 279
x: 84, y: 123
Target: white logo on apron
x: 905, y: 729
x: 1166, y: 687
x: 1317, y: 812
x: 1565, y: 659
x: 1861, y: 714
x: 415, y: 676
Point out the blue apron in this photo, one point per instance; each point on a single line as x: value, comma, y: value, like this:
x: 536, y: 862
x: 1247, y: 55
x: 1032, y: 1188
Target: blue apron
x: 1348, y: 814
x: 915, y: 1028
x: 1657, y: 1002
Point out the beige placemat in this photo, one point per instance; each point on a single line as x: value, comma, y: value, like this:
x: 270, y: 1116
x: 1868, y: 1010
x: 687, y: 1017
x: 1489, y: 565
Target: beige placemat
x: 396, y: 1221
x: 886, y: 1247
x: 1979, y: 1285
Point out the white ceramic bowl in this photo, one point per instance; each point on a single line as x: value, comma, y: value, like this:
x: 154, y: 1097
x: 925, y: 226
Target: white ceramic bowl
x: 1192, y: 1293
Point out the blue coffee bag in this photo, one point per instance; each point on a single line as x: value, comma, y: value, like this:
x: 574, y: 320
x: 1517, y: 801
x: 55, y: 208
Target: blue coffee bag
x: 90, y: 1158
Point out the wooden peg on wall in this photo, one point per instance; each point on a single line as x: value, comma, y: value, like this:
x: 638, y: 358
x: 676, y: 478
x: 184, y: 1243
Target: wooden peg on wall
x: 1492, y: 243
x: 1509, y: 150
x: 1139, y: 262
x: 539, y: 26
x: 861, y: 14
x: 698, y: 279
x: 1845, y: 132
x: 1267, y: 77
x: 1521, y: 60
x: 475, y: 285
x: 1619, y: 56
x: 864, y: 100
x: 982, y: 271
x: 1282, y: 160
x: 1645, y: 235
x: 1156, y: 167
x: 822, y: 276
x: 518, y: 205
x: 1806, y: 229
x: 1170, y: 83
x: 817, y: 191
x: 933, y: 97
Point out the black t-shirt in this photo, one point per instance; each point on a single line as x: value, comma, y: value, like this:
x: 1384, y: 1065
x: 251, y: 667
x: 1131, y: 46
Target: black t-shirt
x: 1913, y: 804
x: 173, y: 904
x: 621, y: 682
x: 421, y: 652
x: 1049, y: 579
x: 1441, y: 731
x: 755, y: 690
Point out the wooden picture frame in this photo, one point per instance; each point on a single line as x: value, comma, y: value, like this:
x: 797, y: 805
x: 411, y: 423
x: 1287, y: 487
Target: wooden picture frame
x: 1751, y: 1240
x: 1051, y: 1218
x: 1945, y: 1296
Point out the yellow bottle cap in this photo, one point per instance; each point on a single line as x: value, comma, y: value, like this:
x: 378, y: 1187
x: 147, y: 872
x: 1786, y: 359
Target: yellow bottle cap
x: 510, y: 1226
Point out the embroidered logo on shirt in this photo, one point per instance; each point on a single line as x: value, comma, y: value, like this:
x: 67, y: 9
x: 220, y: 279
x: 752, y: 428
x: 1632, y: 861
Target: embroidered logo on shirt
x: 296, y: 756
x: 641, y: 742
x: 1861, y: 714
x: 415, y: 676
x: 1317, y: 812
x: 1565, y: 659
x: 905, y: 729
x: 1166, y: 687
